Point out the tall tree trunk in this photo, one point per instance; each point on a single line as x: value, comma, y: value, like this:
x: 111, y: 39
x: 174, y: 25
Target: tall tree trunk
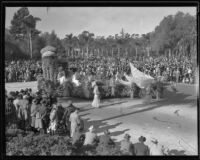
x: 87, y: 50
x: 126, y: 52
x: 118, y: 52
x: 82, y: 56
x: 148, y: 52
x: 136, y: 52
x: 30, y: 42
x: 68, y: 54
x: 112, y: 52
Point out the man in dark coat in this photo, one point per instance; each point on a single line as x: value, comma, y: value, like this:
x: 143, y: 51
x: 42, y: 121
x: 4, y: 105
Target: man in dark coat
x: 10, y: 111
x: 126, y: 146
x: 105, y: 144
x: 43, y: 113
x: 70, y: 109
x: 105, y: 139
x: 140, y: 148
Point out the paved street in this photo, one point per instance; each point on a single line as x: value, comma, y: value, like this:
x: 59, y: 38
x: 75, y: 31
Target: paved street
x: 173, y: 120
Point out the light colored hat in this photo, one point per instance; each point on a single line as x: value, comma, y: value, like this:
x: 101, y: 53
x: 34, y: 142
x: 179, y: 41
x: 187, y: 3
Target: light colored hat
x: 155, y: 141
x: 91, y: 128
x: 54, y: 106
x: 25, y: 97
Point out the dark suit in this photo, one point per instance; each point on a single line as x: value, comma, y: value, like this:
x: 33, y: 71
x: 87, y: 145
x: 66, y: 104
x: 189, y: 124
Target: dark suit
x: 106, y: 140
x: 127, y: 147
x: 70, y: 109
x: 141, y: 149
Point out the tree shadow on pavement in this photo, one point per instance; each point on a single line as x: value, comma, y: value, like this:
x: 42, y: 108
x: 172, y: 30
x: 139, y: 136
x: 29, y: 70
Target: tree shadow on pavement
x: 108, y: 105
x: 180, y: 98
x: 117, y: 133
x: 100, y: 126
x: 101, y: 106
x: 176, y: 152
x: 173, y: 98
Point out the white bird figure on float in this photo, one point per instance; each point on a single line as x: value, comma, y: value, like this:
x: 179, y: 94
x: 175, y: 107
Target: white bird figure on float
x: 141, y: 79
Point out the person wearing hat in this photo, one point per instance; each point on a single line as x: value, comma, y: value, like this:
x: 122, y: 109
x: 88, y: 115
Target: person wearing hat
x: 105, y: 140
x: 156, y: 148
x: 90, y: 137
x: 75, y: 121
x: 25, y: 112
x: 126, y: 146
x: 38, y: 118
x: 43, y: 114
x: 10, y: 111
x: 140, y: 148
x: 68, y: 110
x: 34, y: 108
x: 53, y: 120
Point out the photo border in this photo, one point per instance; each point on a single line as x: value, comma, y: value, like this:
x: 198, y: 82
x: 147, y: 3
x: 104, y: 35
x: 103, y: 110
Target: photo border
x: 10, y: 3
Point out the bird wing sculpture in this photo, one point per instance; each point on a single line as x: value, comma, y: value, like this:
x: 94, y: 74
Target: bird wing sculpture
x: 141, y: 79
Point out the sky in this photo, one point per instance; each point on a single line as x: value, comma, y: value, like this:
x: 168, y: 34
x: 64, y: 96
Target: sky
x: 102, y: 21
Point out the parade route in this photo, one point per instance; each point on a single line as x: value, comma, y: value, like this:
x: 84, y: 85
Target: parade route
x: 172, y: 120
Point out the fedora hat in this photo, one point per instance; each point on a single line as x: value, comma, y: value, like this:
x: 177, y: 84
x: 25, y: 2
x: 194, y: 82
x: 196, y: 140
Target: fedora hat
x: 127, y: 136
x: 142, y: 139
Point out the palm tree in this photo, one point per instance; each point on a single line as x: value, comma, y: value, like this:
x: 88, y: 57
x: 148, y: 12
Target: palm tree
x: 29, y: 22
x: 86, y: 37
x: 69, y: 43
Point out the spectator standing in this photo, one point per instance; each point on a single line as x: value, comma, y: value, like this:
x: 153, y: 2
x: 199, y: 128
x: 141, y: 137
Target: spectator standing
x: 126, y: 146
x: 75, y: 121
x: 140, y: 149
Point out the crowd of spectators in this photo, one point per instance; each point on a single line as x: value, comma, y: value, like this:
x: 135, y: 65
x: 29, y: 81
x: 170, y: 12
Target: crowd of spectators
x: 22, y: 70
x: 173, y: 69
x: 41, y: 113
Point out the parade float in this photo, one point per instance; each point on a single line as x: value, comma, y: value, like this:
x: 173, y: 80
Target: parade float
x: 57, y: 80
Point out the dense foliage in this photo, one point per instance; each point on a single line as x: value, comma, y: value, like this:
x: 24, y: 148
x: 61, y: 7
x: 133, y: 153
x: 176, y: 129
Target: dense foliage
x: 43, y: 144
x: 175, y: 35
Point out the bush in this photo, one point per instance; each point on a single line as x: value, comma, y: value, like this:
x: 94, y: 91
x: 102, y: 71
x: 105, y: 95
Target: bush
x: 122, y: 90
x: 39, y: 145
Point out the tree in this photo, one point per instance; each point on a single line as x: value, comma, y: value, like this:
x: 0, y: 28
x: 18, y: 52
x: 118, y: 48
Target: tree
x: 86, y: 37
x: 70, y: 43
x: 38, y: 43
x: 23, y: 26
x: 13, y: 48
x: 51, y: 39
x: 174, y: 34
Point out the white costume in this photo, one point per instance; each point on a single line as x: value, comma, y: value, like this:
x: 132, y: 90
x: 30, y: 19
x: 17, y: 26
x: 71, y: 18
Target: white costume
x: 96, y: 100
